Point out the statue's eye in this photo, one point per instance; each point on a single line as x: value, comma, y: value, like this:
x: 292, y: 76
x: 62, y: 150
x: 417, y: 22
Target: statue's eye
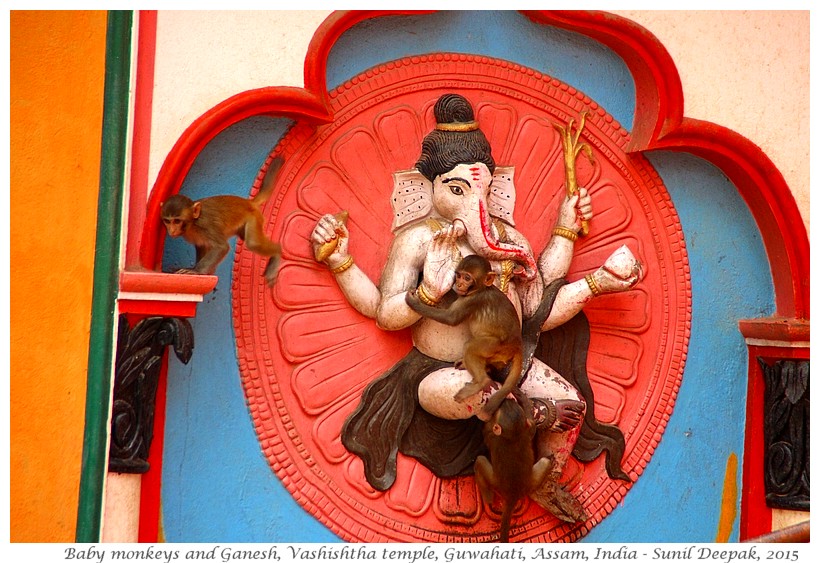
x: 456, y: 190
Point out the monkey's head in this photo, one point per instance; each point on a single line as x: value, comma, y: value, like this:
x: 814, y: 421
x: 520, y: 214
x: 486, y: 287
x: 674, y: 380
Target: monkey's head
x: 178, y: 213
x: 510, y: 420
x: 473, y: 273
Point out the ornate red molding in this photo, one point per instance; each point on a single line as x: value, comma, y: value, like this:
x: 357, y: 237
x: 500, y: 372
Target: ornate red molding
x: 155, y: 293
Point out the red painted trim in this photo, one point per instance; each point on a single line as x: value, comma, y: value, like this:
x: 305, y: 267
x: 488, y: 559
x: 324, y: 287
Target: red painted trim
x: 780, y: 330
x: 755, y: 515
x: 325, y: 37
x: 188, y: 285
x: 185, y: 309
x: 141, y: 136
x: 156, y: 282
x: 151, y: 490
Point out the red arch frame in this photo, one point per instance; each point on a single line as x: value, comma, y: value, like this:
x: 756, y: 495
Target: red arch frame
x: 660, y: 124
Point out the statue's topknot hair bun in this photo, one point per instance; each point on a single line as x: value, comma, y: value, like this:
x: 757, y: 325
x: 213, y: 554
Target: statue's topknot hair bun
x: 455, y: 140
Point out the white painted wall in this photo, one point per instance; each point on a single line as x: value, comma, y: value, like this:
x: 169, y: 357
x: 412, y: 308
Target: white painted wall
x: 745, y: 70
x: 748, y: 71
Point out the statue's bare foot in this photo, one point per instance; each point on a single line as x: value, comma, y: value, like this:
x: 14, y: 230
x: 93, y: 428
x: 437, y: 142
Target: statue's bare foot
x: 557, y: 416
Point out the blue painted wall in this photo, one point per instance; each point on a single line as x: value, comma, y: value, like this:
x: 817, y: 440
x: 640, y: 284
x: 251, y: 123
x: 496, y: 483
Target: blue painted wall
x: 217, y: 485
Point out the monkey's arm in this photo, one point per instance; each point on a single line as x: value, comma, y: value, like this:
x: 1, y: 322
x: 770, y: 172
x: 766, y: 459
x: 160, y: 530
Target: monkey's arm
x: 209, y: 257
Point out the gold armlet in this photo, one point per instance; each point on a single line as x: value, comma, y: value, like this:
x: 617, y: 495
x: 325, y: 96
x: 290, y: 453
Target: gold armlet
x: 566, y: 233
x: 425, y: 297
x: 343, y: 266
x: 593, y: 287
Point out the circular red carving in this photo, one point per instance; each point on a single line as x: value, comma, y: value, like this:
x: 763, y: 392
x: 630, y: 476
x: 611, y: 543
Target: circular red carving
x: 305, y: 354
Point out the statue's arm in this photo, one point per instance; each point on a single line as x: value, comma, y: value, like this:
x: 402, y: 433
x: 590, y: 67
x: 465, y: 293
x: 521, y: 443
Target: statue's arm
x: 555, y: 261
x: 358, y: 289
x: 401, y: 274
x: 620, y: 272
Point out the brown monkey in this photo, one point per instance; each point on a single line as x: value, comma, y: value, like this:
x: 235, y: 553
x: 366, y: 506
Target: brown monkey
x: 210, y: 222
x: 495, y: 330
x: 513, y: 472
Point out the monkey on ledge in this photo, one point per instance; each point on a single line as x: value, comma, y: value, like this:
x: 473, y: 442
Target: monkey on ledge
x: 210, y: 222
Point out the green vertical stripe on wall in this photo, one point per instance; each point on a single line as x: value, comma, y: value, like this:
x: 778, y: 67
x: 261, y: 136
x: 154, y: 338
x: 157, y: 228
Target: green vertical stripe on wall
x: 106, y: 272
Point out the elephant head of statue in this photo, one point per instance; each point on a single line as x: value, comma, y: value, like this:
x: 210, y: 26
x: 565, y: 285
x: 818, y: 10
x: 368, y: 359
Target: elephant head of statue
x: 456, y: 179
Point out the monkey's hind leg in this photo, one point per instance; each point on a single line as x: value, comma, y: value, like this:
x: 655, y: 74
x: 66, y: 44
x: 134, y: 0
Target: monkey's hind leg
x: 476, y: 353
x: 485, y: 478
x: 540, y: 471
x: 513, y: 377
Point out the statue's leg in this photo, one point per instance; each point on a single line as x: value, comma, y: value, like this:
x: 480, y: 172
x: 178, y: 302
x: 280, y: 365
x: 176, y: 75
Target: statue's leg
x: 437, y: 392
x: 543, y: 382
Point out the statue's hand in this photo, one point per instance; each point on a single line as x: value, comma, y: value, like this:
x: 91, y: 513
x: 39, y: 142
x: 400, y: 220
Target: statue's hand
x: 575, y: 209
x: 441, y: 261
x: 620, y: 272
x: 330, y: 229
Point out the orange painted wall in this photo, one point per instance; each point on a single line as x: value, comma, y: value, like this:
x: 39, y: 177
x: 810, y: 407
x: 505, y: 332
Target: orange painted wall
x: 57, y: 74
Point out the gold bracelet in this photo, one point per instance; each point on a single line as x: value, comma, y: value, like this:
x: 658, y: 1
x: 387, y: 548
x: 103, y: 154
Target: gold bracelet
x: 593, y: 287
x: 425, y: 297
x: 343, y: 266
x: 566, y: 233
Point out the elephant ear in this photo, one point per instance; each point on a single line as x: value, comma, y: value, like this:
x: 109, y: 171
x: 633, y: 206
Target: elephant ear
x: 502, y: 194
x: 412, y: 197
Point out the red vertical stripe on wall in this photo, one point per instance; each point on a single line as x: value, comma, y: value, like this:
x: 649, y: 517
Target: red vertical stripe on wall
x: 150, y: 492
x: 141, y: 142
x: 140, y: 157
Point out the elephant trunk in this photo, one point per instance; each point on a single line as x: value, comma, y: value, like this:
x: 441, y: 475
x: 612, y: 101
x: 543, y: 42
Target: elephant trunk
x: 486, y: 244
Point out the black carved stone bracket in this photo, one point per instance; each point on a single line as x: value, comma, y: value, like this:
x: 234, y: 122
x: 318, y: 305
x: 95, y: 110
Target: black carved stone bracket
x: 786, y: 433
x: 139, y: 359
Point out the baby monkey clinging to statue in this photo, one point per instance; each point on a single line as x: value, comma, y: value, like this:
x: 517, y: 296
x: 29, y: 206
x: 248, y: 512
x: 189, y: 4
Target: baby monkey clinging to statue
x: 495, y: 330
x: 210, y: 222
x: 511, y: 470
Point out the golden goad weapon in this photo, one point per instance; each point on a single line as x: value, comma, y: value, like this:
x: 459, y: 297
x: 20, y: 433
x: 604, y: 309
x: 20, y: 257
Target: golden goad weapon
x: 572, y: 147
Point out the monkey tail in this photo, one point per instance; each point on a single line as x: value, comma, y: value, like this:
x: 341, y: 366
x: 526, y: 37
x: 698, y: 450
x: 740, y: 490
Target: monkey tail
x: 506, y: 518
x: 266, y: 189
